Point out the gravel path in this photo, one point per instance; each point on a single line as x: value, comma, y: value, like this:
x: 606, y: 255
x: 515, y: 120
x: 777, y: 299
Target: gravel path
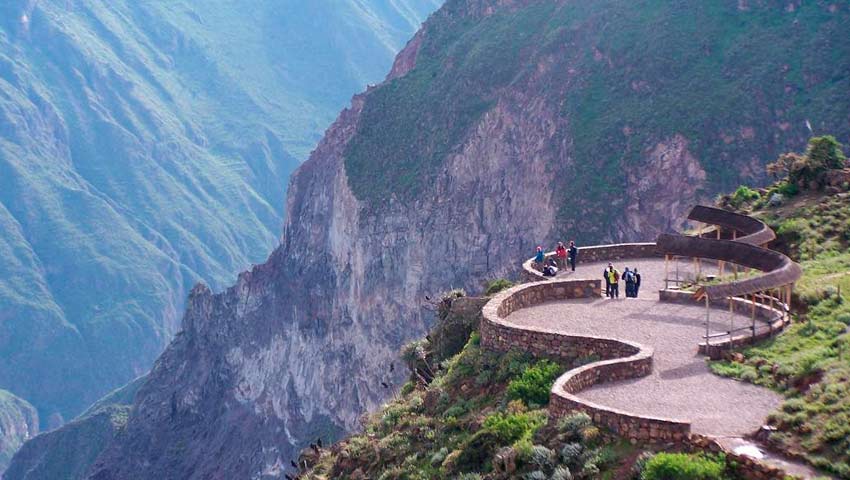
x: 681, y: 386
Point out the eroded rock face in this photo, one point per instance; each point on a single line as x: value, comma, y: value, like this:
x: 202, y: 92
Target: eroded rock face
x: 301, y: 345
x: 662, y: 190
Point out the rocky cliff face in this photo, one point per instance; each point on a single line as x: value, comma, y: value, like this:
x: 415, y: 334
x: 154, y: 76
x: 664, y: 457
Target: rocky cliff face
x: 145, y: 146
x: 494, y: 132
x: 18, y: 423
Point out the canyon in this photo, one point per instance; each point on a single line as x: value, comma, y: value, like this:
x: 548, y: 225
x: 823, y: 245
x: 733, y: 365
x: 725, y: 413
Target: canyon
x: 504, y: 124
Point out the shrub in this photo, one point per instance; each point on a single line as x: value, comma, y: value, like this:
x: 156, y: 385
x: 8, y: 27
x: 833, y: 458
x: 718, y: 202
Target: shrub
x: 743, y: 195
x: 562, y: 473
x: 469, y: 476
x: 788, y: 189
x: 496, y: 286
x: 680, y: 466
x: 822, y: 154
x: 571, y: 454
x: 475, y: 451
x: 536, y: 475
x: 510, y: 427
x: 573, y: 425
x: 542, y: 457
x: 534, y: 384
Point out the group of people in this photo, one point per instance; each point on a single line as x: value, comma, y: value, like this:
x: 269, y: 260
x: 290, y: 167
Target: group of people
x: 612, y: 279
x: 564, y: 256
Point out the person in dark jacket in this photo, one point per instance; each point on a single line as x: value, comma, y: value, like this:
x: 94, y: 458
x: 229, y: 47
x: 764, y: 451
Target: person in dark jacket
x: 573, y: 254
x: 607, y: 279
x: 551, y: 268
x: 637, y: 283
x: 629, y: 278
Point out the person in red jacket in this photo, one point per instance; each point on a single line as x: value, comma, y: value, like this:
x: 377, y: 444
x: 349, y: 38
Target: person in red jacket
x: 561, y: 253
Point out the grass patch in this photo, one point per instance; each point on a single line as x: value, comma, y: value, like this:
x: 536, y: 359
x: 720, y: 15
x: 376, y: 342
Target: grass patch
x: 810, y: 362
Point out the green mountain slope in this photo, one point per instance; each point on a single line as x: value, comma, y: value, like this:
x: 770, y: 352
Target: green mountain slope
x: 736, y: 81
x: 145, y: 146
x: 18, y: 423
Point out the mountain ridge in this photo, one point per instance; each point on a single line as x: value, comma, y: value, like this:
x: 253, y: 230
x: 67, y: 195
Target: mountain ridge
x: 145, y: 146
x: 303, y: 343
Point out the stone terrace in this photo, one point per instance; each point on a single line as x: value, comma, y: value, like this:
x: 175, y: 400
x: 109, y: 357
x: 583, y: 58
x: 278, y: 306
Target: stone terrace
x: 680, y: 387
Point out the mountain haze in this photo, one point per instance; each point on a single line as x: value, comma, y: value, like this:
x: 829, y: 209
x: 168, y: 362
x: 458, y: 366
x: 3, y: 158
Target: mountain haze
x: 503, y: 124
x: 146, y: 145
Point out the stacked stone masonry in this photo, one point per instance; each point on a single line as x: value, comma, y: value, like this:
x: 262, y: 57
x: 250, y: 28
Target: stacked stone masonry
x: 619, y: 360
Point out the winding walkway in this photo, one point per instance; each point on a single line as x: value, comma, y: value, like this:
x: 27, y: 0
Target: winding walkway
x: 681, y: 386
x: 647, y: 381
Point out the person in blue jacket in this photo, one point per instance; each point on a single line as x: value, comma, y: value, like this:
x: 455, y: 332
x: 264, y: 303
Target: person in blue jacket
x: 538, y: 259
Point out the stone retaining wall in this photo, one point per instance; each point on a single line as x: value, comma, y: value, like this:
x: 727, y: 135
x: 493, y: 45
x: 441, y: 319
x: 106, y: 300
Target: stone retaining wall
x: 770, y: 321
x: 597, y: 253
x: 746, y: 467
x: 619, y: 360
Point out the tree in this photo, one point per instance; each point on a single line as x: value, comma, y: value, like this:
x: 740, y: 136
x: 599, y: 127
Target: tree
x: 822, y: 154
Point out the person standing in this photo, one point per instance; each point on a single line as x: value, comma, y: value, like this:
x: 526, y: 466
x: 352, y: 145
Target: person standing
x: 607, y: 280
x: 573, y: 254
x: 614, y: 278
x: 637, y: 282
x: 539, y: 257
x: 629, y: 278
x: 561, y: 253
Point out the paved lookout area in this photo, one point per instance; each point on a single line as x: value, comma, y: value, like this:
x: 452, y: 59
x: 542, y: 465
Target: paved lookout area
x: 681, y: 386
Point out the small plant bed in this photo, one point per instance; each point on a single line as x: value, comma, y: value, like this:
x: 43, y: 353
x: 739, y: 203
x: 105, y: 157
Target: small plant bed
x: 810, y: 362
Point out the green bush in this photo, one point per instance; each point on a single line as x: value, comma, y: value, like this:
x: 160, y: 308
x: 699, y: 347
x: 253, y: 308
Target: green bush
x: 743, y: 195
x: 496, y: 286
x: 680, y: 466
x: 510, y: 427
x: 788, y: 189
x: 574, y: 425
x: 534, y: 384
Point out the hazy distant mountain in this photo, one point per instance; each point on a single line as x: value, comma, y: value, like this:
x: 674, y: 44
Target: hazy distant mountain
x: 146, y: 145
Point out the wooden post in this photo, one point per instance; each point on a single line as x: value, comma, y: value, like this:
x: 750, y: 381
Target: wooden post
x: 753, y: 315
x: 707, y: 324
x: 677, y: 269
x: 731, y: 319
x: 696, y: 271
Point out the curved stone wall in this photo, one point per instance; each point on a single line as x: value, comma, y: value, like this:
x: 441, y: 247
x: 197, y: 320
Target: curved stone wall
x: 619, y: 360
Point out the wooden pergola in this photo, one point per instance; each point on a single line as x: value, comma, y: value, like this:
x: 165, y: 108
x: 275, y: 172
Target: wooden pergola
x: 740, y: 241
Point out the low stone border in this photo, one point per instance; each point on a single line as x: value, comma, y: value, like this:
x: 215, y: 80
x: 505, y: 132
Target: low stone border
x: 597, y: 253
x: 747, y: 467
x: 619, y: 360
x: 771, y: 318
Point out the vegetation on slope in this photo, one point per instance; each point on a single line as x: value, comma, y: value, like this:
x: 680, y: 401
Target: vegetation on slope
x: 18, y: 422
x: 145, y: 146
x: 67, y: 453
x: 735, y: 80
x: 809, y: 362
x: 471, y: 414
